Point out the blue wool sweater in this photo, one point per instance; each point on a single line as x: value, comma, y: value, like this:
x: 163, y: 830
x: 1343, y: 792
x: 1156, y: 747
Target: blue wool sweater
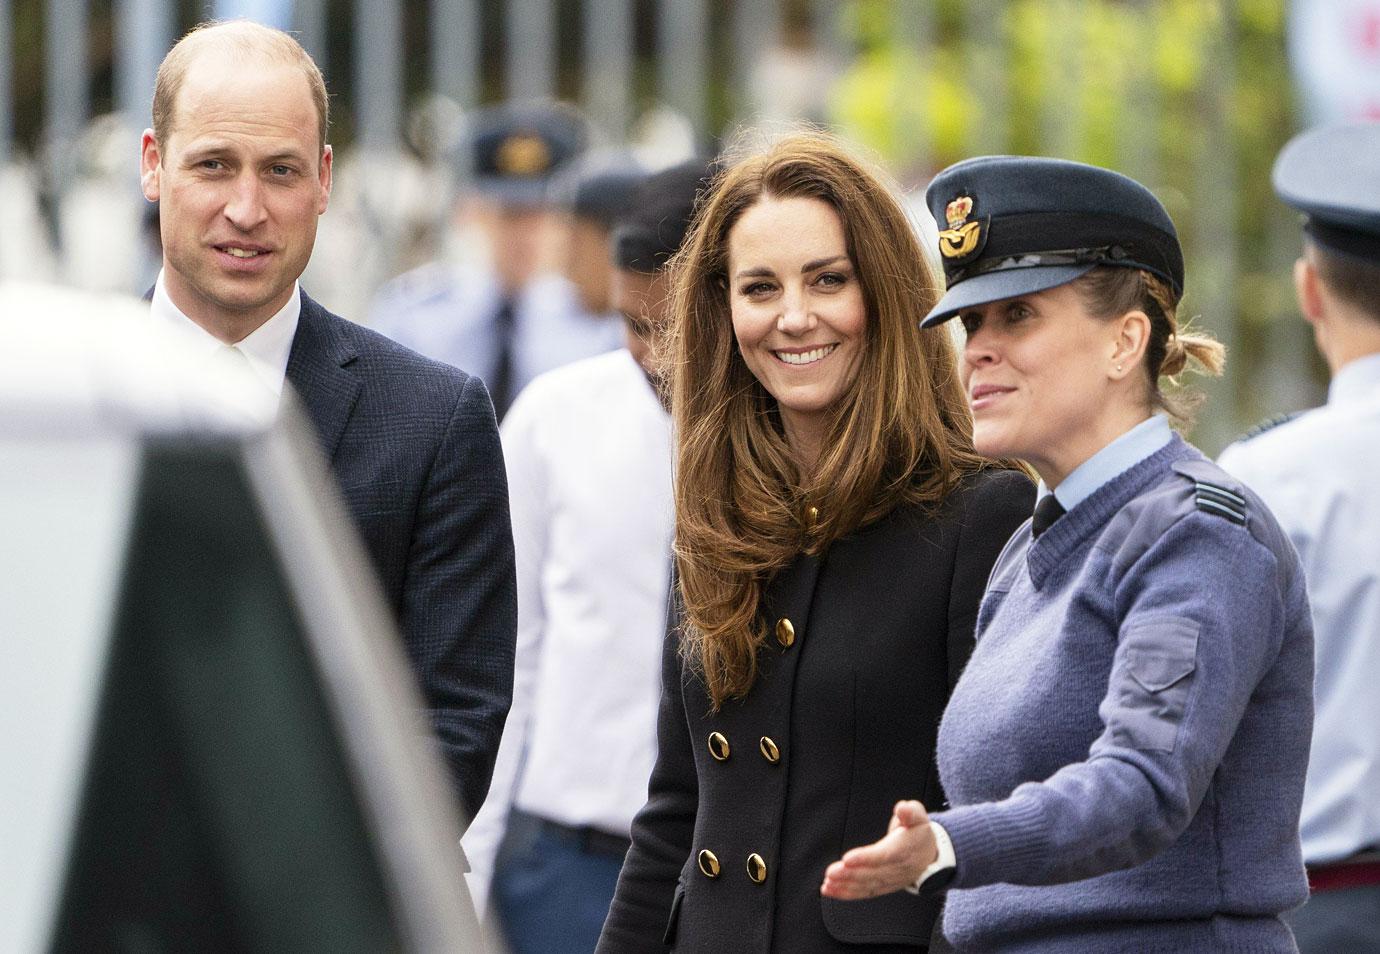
x: 1125, y: 752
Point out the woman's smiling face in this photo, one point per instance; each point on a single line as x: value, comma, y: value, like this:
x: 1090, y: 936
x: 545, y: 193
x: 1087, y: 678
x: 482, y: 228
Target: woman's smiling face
x: 798, y: 310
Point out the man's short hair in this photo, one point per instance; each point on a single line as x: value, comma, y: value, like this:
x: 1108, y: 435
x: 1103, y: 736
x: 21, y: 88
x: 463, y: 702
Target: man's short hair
x: 1354, y: 280
x: 243, y: 38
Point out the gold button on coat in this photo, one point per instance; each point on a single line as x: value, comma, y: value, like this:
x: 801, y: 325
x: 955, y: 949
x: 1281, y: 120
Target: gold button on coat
x: 785, y: 631
x: 756, y: 868
x: 709, y: 864
x: 718, y: 746
x: 769, y: 750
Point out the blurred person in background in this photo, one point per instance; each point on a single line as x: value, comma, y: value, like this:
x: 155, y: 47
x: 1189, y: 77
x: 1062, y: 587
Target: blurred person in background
x: 1125, y: 752
x: 1317, y: 473
x: 594, y: 199
x: 588, y: 448
x: 834, y: 529
x: 505, y: 312
x: 238, y: 163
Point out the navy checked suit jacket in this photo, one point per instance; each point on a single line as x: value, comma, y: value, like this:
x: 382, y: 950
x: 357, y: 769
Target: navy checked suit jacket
x: 415, y: 449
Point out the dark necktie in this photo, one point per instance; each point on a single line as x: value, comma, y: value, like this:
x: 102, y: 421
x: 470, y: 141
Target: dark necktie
x: 501, y: 382
x: 1047, y: 511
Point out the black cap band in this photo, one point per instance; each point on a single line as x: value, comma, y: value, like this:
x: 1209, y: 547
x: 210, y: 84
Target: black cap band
x: 1106, y: 255
x: 1035, y: 240
x: 1362, y: 245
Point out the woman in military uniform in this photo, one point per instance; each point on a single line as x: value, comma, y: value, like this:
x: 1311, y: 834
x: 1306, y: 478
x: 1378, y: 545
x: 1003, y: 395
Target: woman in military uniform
x: 834, y: 529
x: 1125, y: 752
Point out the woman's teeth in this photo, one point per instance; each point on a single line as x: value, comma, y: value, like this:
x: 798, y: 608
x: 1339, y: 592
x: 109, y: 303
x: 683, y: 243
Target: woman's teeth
x: 805, y: 357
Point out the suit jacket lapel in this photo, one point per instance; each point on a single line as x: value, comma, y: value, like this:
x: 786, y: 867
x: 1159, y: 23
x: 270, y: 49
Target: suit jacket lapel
x: 319, y: 369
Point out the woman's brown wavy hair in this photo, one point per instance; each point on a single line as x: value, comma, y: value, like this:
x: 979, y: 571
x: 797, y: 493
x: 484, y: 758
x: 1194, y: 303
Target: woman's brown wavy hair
x: 900, y: 434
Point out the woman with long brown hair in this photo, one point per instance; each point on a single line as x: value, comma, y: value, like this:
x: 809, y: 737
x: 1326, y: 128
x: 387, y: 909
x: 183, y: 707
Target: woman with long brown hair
x: 834, y: 531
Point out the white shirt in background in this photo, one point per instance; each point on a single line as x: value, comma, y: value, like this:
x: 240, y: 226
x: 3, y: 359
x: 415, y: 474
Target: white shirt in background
x: 1317, y: 474
x: 589, y: 458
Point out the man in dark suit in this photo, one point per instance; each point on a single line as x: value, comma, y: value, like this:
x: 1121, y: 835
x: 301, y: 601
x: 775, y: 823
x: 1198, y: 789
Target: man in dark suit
x: 238, y: 161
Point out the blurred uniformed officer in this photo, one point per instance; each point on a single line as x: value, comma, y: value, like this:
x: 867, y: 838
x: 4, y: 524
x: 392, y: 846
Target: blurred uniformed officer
x: 1317, y: 473
x: 588, y: 449
x: 511, y: 314
x: 595, y: 198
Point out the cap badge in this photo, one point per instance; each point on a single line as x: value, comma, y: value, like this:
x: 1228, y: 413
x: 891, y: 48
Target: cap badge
x: 523, y: 154
x: 961, y: 237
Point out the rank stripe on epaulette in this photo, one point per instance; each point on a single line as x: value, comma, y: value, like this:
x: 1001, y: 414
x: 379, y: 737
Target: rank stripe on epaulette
x: 1224, y: 497
x: 1221, y: 501
x: 1235, y: 516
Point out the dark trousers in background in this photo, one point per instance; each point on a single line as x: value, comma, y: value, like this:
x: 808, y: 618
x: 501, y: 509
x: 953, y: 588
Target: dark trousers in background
x: 1340, y: 921
x: 552, y: 885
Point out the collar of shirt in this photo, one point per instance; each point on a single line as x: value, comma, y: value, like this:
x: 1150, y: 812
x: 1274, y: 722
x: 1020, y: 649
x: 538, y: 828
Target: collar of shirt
x: 1357, y: 380
x: 1116, y: 458
x: 267, y: 347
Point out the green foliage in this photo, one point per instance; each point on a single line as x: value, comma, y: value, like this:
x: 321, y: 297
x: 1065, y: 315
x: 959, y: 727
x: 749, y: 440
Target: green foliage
x: 1167, y: 90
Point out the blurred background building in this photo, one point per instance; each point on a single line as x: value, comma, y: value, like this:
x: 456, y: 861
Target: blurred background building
x: 1193, y: 97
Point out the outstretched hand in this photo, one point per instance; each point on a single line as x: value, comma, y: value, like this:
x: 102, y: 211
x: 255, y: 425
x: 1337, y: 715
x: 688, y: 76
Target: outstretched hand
x: 893, y: 863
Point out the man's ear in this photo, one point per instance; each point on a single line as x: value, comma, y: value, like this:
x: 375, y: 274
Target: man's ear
x: 327, y: 161
x: 149, y: 166
x: 1308, y: 288
x: 1132, y: 338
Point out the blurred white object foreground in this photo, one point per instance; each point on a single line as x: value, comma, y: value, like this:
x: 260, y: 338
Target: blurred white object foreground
x: 210, y: 739
x: 94, y: 363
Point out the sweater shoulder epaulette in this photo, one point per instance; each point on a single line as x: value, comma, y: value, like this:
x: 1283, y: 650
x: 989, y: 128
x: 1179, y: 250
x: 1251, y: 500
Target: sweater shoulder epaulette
x: 1269, y: 424
x: 1193, y: 485
x: 1215, y: 492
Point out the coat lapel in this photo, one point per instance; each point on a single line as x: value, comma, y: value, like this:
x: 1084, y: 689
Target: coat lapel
x: 319, y: 369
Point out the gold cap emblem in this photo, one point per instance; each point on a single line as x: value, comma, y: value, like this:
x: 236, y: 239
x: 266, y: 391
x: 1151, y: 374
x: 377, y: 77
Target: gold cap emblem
x: 962, y: 236
x: 523, y: 154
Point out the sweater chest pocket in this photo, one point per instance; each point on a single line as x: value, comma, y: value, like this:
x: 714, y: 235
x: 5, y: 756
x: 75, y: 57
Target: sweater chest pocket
x: 991, y: 602
x: 1151, y: 682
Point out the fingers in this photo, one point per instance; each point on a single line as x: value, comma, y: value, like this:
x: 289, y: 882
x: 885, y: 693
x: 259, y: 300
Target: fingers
x: 887, y: 865
x: 851, y: 881
x: 874, y: 854
x: 843, y: 885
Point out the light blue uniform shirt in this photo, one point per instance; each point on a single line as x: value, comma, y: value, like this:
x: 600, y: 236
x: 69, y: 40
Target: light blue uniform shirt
x: 1317, y: 473
x: 1116, y: 458
x: 447, y: 312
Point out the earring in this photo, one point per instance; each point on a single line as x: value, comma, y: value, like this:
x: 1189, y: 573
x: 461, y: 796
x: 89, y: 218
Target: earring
x: 1118, y: 367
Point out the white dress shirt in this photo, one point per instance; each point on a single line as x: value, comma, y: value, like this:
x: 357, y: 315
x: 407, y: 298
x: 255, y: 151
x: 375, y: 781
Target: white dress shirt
x: 266, y: 348
x: 589, y: 457
x: 1318, y: 473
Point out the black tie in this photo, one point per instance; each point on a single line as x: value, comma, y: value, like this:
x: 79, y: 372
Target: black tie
x: 501, y: 383
x: 1047, y: 511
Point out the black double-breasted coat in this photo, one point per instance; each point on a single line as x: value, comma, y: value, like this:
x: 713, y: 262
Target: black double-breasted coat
x: 747, y: 806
